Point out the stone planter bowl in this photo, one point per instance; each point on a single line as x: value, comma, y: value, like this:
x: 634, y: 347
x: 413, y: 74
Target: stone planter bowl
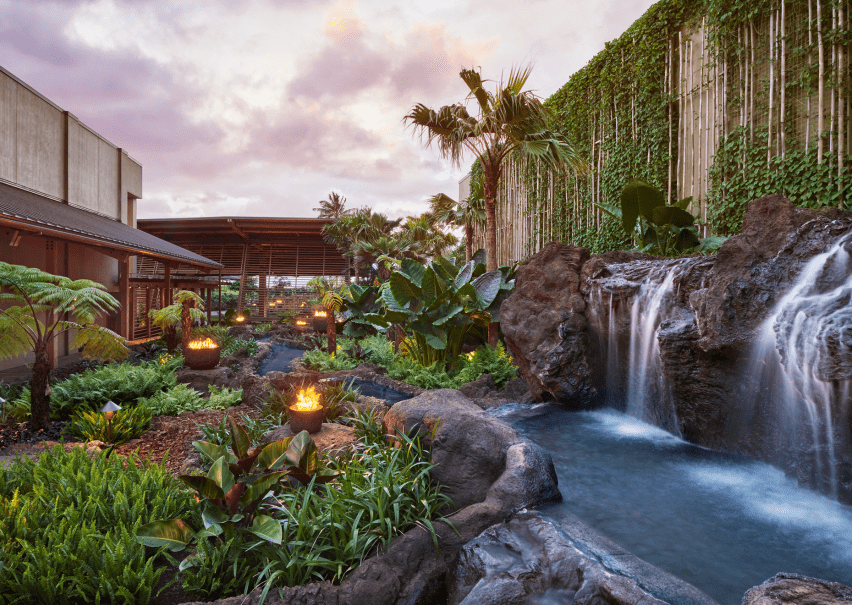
x: 310, y: 420
x: 202, y: 359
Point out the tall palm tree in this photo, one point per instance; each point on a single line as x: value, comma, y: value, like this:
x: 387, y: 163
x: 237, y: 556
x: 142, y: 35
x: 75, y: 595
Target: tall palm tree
x: 425, y: 238
x: 507, y: 119
x: 333, y: 207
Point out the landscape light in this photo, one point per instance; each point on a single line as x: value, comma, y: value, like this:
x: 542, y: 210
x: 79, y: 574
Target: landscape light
x: 109, y: 410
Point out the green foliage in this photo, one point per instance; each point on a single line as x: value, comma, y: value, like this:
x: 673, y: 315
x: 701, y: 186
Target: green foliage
x: 335, y: 396
x: 221, y: 434
x: 232, y: 347
x: 261, y: 328
x: 309, y: 531
x: 441, y: 303
x: 360, y: 303
x: 176, y: 400
x: 122, y: 383
x: 68, y: 527
x: 663, y: 230
x: 127, y: 424
x: 320, y: 360
x: 222, y: 398
x: 486, y: 360
x: 219, y: 334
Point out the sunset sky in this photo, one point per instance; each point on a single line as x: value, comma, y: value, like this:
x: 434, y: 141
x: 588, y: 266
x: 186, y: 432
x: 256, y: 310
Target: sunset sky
x: 263, y: 107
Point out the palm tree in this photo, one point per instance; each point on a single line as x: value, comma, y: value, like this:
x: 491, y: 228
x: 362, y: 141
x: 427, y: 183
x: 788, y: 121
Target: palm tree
x: 424, y: 237
x: 333, y: 207
x: 507, y: 120
x: 468, y: 213
x: 44, y: 302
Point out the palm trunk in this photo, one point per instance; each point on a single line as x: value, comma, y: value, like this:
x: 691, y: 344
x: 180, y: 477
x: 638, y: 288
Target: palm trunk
x: 186, y: 324
x: 39, y: 393
x: 468, y: 242
x: 331, y: 331
x: 492, y: 180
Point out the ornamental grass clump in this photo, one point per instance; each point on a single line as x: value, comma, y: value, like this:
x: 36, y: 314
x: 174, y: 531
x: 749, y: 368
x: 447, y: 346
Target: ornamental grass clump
x: 68, y: 527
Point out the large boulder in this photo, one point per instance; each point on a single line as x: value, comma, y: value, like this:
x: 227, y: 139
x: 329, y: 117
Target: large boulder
x: 544, y: 324
x: 469, y: 446
x: 527, y: 559
x: 793, y: 589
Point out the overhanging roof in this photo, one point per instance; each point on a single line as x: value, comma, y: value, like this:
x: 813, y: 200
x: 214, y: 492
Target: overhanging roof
x: 255, y: 245
x: 28, y: 211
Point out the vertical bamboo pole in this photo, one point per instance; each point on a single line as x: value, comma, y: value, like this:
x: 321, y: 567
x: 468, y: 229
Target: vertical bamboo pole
x: 698, y: 169
x: 810, y: 62
x: 841, y: 124
x: 668, y: 89
x: 691, y: 121
x: 782, y: 88
x: 820, y: 86
x: 751, y: 84
x: 832, y: 90
x: 681, y: 128
x: 771, y: 87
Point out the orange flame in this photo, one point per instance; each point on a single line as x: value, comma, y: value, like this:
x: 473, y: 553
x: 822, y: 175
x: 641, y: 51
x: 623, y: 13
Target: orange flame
x: 240, y: 318
x: 308, y: 400
x: 301, y: 323
x: 320, y: 314
x: 207, y: 343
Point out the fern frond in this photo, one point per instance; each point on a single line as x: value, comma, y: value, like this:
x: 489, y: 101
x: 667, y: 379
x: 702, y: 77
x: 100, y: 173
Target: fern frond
x: 99, y: 342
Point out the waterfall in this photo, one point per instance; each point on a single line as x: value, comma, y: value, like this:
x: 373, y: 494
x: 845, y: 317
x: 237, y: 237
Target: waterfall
x: 800, y: 367
x: 628, y: 310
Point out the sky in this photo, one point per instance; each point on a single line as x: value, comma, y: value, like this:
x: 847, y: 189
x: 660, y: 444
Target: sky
x: 264, y: 107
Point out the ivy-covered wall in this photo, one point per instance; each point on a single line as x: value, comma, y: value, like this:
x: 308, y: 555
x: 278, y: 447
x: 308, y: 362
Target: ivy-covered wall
x: 715, y: 99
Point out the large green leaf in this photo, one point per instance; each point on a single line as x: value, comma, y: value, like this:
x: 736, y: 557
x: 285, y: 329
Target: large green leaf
x: 213, y: 515
x: 205, y: 486
x: 465, y: 274
x: 240, y: 441
x: 431, y: 289
x: 671, y: 215
x: 402, y: 289
x: 302, y: 453
x: 173, y: 534
x: 221, y: 475
x: 391, y: 303
x: 630, y: 205
x: 686, y: 239
x: 267, y: 528
x: 274, y: 454
x: 487, y: 286
x: 684, y: 203
x: 214, y: 451
x: 448, y: 315
x: 413, y: 270
x: 260, y: 486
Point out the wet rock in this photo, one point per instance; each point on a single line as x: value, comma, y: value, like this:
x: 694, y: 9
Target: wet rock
x: 479, y: 388
x: 544, y: 325
x: 793, y: 589
x: 528, y: 560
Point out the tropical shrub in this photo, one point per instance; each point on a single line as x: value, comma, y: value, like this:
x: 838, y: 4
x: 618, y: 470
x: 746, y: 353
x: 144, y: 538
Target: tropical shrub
x: 260, y: 328
x: 280, y: 532
x: 222, y: 398
x: 663, y: 230
x: 176, y: 400
x: 128, y: 423
x: 68, y: 527
x: 220, y: 434
x: 122, y: 383
x: 232, y: 347
x: 439, y: 304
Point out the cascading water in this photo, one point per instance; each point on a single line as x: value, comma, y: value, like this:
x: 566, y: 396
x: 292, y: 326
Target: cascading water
x: 801, y: 368
x: 629, y: 335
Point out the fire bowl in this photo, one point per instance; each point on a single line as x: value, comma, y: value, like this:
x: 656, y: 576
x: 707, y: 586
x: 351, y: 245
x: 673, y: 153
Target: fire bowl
x: 306, y: 420
x: 202, y: 359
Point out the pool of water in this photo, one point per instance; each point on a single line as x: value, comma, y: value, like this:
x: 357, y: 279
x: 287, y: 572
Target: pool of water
x: 721, y: 522
x: 371, y: 389
x: 279, y: 359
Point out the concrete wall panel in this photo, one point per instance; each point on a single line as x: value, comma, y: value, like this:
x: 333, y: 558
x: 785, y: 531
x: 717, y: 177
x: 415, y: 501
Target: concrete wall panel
x: 82, y: 165
x: 131, y: 175
x: 8, y: 128
x: 108, y: 180
x: 40, y: 144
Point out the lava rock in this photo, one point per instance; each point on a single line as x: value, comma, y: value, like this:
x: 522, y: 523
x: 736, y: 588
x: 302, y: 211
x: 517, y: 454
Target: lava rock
x: 544, y: 325
x: 469, y: 446
x: 527, y: 559
x: 793, y: 589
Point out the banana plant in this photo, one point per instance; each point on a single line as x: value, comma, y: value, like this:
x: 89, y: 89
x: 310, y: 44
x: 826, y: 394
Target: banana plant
x: 361, y: 302
x: 237, y: 493
x: 440, y: 303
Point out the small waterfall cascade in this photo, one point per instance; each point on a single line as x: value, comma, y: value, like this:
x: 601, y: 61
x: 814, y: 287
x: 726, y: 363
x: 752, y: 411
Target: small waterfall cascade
x: 627, y: 311
x: 799, y: 376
